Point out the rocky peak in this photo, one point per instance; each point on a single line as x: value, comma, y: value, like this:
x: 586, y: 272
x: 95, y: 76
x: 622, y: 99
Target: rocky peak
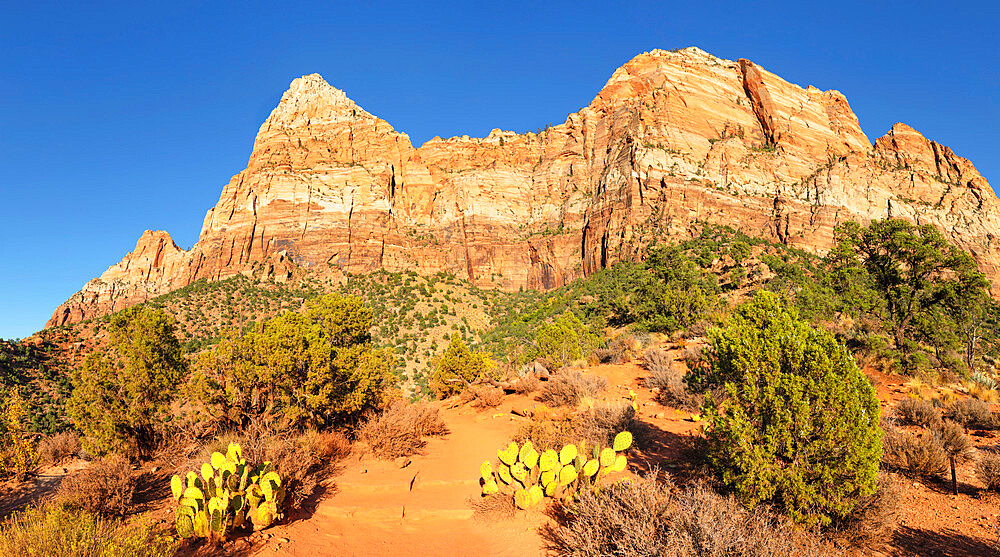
x: 311, y: 100
x: 907, y: 148
x: 674, y: 140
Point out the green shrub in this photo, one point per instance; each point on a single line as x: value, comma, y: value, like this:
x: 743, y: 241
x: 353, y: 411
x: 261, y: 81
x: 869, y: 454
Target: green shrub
x: 310, y: 369
x: 120, y: 398
x: 458, y: 367
x: 673, y: 292
x: 18, y: 455
x: 800, y: 424
x: 61, y: 531
x: 564, y: 339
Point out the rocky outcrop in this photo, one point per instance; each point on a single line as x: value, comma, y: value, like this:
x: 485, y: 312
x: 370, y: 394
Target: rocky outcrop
x: 672, y: 141
x: 156, y: 265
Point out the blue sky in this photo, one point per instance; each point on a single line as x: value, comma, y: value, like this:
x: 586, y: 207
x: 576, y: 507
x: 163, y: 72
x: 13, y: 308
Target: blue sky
x: 118, y: 117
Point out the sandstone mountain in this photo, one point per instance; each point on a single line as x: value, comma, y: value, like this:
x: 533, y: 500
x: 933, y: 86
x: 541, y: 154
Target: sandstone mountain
x: 672, y: 141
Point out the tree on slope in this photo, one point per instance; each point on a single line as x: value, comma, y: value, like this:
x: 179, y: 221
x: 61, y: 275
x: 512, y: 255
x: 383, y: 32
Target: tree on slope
x: 121, y: 395
x: 799, y: 423
x: 917, y: 273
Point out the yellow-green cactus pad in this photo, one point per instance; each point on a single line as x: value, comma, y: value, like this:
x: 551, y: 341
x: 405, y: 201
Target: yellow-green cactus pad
x: 567, y: 454
x: 622, y: 441
x: 567, y: 475
x: 548, y: 461
x: 176, y: 486
x: 607, y: 457
x: 620, y: 463
x: 509, y: 455
x: 490, y: 488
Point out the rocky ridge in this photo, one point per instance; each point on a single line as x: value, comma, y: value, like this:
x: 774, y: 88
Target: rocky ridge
x: 672, y: 141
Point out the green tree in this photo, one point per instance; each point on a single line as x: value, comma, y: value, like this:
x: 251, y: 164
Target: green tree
x: 799, y: 424
x: 564, y: 339
x: 121, y: 396
x: 316, y: 368
x: 673, y: 293
x: 459, y: 366
x: 914, y: 269
x: 18, y: 454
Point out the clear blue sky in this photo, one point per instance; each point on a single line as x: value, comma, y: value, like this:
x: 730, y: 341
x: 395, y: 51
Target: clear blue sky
x: 118, y: 117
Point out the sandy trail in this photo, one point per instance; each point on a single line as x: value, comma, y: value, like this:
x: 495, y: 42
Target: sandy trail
x: 381, y: 508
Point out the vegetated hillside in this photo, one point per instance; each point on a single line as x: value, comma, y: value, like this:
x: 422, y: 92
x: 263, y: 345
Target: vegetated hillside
x: 672, y: 139
x: 215, y: 380
x: 416, y: 315
x: 36, y: 370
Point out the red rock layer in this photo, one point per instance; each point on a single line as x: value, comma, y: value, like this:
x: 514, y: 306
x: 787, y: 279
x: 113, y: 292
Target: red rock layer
x: 674, y: 139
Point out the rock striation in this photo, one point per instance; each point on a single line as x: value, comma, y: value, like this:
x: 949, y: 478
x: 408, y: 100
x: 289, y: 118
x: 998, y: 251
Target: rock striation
x: 673, y: 140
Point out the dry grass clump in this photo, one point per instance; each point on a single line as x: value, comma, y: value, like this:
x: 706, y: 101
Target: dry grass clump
x: 548, y: 429
x: 493, y: 507
x: 607, y: 356
x: 328, y: 446
x: 922, y: 455
x: 626, y: 347
x: 58, y: 530
x: 624, y: 519
x: 692, y: 355
x: 527, y: 383
x: 710, y: 524
x: 973, y: 413
x: 953, y: 439
x: 302, y: 462
x: 595, y: 425
x: 656, y: 360
x: 298, y: 468
x: 57, y: 448
x: 982, y: 392
x: 106, y: 487
x: 487, y: 396
x: 988, y: 471
x: 646, y: 518
x: 399, y: 429
x: 668, y: 381
x: 874, y: 518
x: 912, y: 411
x: 569, y: 387
x: 601, y: 423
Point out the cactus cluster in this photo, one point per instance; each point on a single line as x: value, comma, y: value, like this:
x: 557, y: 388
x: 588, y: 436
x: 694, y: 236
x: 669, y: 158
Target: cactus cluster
x: 529, y: 476
x: 228, y: 493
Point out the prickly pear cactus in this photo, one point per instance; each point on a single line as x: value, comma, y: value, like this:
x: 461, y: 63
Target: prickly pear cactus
x: 228, y: 494
x: 527, y: 476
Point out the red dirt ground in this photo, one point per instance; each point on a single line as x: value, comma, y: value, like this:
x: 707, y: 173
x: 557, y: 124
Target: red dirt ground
x: 420, y: 505
x: 375, y: 511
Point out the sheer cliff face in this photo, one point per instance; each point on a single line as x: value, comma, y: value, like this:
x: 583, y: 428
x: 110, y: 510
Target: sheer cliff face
x: 673, y: 140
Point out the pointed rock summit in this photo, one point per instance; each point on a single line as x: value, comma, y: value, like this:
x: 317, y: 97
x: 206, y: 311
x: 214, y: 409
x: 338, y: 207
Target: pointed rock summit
x: 673, y: 140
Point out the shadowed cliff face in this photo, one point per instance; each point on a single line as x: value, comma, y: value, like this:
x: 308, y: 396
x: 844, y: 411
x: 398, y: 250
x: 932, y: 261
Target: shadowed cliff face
x: 674, y: 139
